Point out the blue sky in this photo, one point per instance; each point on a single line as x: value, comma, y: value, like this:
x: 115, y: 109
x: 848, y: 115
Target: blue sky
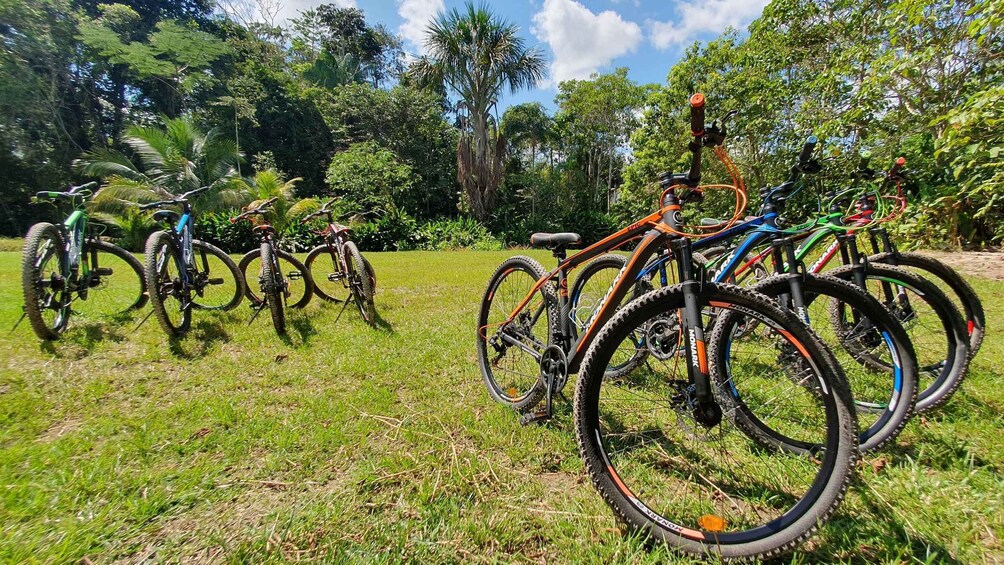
x: 577, y: 37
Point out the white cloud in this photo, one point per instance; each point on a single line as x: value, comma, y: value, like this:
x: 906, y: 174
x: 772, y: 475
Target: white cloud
x: 417, y: 15
x: 291, y: 8
x: 582, y: 41
x: 703, y: 16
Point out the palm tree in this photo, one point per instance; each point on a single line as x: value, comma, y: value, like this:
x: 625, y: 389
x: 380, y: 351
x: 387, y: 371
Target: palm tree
x: 166, y: 162
x: 528, y: 125
x: 476, y: 55
x: 268, y: 184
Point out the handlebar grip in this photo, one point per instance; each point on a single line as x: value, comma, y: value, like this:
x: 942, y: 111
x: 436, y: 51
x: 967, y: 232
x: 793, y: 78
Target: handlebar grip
x: 45, y: 194
x: 697, y: 114
x: 807, y: 149
x: 898, y: 165
x: 866, y: 156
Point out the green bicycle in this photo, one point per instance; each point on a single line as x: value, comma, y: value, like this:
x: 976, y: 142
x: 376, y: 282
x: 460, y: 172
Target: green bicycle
x: 67, y: 268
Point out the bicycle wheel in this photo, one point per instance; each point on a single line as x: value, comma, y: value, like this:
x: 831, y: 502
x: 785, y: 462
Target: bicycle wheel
x: 714, y: 489
x: 932, y: 322
x: 588, y: 292
x: 170, y: 296
x: 43, y: 264
x: 295, y: 273
x: 219, y: 285
x: 114, y: 282
x: 273, y: 287
x: 873, y: 350
x: 359, y: 282
x: 325, y: 272
x: 951, y: 283
x: 509, y: 354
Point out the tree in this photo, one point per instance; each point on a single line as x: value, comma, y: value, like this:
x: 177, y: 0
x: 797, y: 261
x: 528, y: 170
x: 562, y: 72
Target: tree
x: 166, y: 162
x: 478, y: 55
x: 527, y: 127
x: 370, y: 178
x: 410, y: 123
x: 286, y: 209
x: 598, y: 115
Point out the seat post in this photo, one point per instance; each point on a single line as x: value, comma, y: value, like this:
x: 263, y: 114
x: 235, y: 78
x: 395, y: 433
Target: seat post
x: 559, y: 252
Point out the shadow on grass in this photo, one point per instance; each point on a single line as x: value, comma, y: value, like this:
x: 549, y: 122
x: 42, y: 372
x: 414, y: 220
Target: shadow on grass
x: 81, y: 339
x: 199, y: 340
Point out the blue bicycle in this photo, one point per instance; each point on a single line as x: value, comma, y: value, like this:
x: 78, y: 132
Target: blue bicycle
x: 184, y: 273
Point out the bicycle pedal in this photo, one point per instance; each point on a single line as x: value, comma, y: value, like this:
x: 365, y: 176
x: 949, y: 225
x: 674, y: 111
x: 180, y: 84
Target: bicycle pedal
x: 534, y: 418
x: 103, y: 271
x: 332, y: 277
x: 215, y: 281
x: 293, y: 275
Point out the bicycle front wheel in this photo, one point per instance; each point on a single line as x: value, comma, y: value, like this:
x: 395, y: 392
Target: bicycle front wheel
x: 713, y: 487
x: 43, y: 280
x: 359, y: 282
x: 273, y: 287
x: 951, y: 283
x: 296, y: 274
x: 170, y: 295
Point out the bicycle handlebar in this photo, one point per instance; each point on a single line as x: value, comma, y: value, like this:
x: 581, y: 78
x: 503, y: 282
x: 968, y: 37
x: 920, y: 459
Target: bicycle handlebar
x: 260, y: 209
x: 806, y: 154
x: 697, y: 130
x: 176, y: 200
x: 81, y: 191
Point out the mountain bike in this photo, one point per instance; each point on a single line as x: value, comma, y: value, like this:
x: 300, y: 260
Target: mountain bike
x: 183, y: 273
x: 872, y: 347
x: 337, y: 265
x: 668, y: 445
x: 274, y: 286
x: 67, y: 268
x: 299, y: 286
x: 933, y: 323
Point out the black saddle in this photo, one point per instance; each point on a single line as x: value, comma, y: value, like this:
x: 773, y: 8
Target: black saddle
x: 555, y: 240
x: 166, y: 216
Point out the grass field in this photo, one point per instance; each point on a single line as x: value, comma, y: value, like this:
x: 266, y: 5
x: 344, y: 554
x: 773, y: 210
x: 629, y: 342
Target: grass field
x: 348, y: 443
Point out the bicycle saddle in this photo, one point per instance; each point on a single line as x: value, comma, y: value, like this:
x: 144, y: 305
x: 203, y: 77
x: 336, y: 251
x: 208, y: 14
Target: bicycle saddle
x: 554, y: 240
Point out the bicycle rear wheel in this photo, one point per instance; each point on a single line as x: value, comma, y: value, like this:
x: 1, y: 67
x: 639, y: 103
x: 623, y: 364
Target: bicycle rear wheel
x: 297, y: 276
x: 219, y: 285
x: 588, y: 292
x: 115, y: 282
x: 509, y: 353
x: 43, y: 281
x: 717, y: 489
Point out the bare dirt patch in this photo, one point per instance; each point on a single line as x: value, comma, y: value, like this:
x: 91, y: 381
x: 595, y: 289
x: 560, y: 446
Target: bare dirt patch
x: 981, y: 264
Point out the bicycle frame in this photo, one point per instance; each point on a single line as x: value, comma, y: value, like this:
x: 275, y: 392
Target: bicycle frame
x: 655, y: 233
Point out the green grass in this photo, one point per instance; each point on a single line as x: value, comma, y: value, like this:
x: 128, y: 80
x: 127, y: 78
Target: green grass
x: 349, y: 443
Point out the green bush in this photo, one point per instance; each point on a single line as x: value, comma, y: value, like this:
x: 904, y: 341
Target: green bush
x: 457, y: 233
x: 394, y: 231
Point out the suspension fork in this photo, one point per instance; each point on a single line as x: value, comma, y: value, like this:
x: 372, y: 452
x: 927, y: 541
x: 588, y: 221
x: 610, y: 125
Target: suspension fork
x: 707, y: 411
x: 783, y: 255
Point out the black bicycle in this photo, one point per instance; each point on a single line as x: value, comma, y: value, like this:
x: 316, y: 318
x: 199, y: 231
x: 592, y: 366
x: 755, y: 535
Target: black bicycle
x: 738, y: 444
x: 337, y: 265
x: 184, y: 273
x: 274, y: 287
x: 68, y: 268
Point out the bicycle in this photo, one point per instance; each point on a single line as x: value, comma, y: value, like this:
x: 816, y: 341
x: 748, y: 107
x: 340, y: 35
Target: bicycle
x: 335, y: 265
x: 87, y: 271
x: 179, y: 269
x: 275, y: 288
x: 299, y: 286
x: 705, y: 502
x: 933, y: 323
x: 872, y: 347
